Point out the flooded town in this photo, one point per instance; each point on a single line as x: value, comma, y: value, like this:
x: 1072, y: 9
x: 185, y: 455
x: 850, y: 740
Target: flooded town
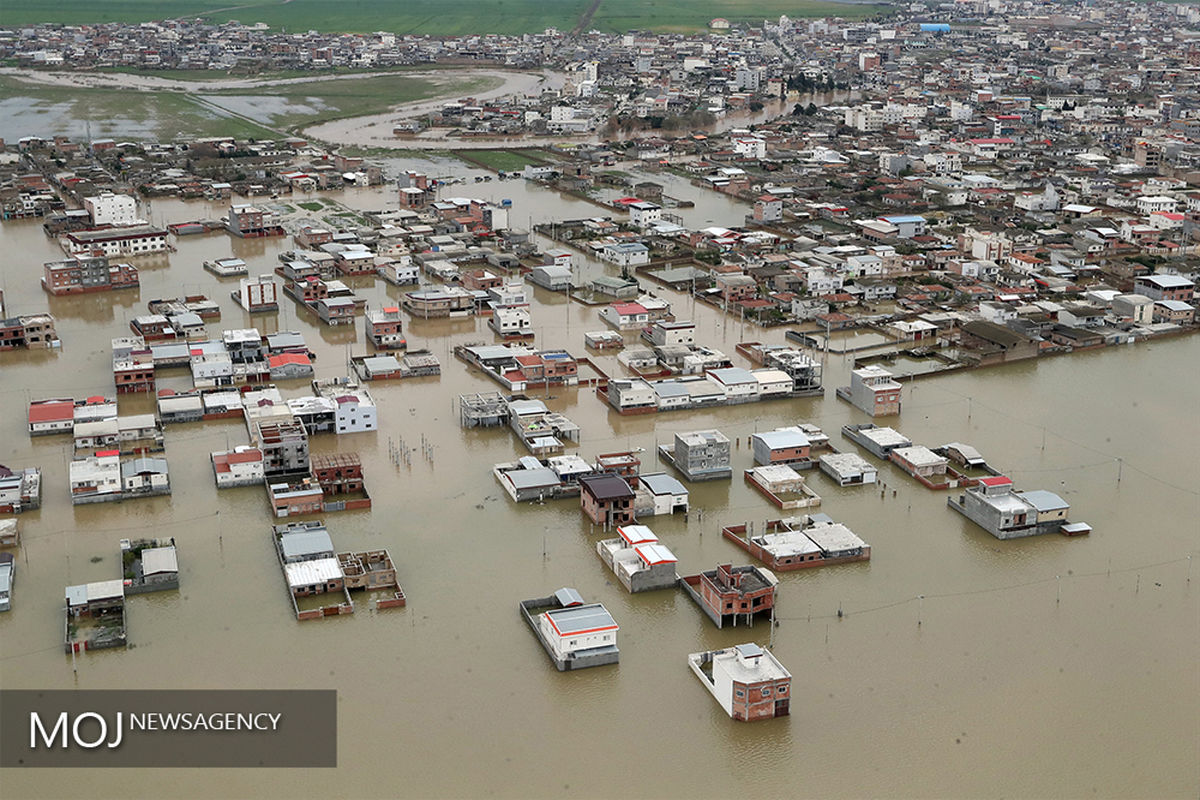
x: 800, y: 406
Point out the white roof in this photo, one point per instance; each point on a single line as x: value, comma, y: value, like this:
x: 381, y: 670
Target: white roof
x: 847, y: 463
x: 653, y: 554
x: 787, y: 543
x: 776, y: 473
x: 919, y: 456
x: 159, y: 559
x: 885, y: 436
x: 637, y: 534
x: 308, y: 573
x: 833, y: 537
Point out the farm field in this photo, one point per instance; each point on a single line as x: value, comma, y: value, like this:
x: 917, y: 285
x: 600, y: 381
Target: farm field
x: 431, y: 17
x: 28, y: 108
x: 293, y: 106
x: 503, y: 160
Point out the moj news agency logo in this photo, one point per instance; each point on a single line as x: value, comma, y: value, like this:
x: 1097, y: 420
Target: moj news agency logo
x: 66, y: 732
x: 186, y: 728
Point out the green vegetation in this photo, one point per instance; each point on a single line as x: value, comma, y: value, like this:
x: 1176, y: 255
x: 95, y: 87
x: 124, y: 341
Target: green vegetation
x: 311, y: 206
x: 432, y: 16
x: 502, y: 160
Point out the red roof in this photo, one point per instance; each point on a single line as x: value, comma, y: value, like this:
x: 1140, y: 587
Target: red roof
x: 51, y: 411
x: 998, y: 480
x: 107, y: 453
x: 289, y: 358
x: 625, y: 309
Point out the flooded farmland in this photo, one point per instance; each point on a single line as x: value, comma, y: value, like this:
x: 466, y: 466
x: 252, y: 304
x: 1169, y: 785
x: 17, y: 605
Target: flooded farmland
x: 927, y: 671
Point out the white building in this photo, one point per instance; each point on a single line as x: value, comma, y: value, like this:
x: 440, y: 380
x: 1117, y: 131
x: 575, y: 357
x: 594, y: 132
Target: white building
x: 511, y: 321
x: 95, y: 478
x: 644, y: 213
x: 241, y: 466
x: 573, y: 631
x: 112, y: 209
x: 750, y: 147
x: 257, y: 294
x: 848, y: 469
x: 626, y: 254
x: 356, y: 410
x: 747, y: 681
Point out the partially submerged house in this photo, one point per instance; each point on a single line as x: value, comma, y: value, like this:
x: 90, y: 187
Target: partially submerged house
x: 606, y: 500
x: 879, y: 442
x: 95, y: 616
x: 783, y: 486
x: 241, y: 466
x: 799, y: 542
x: 788, y: 446
x: 149, y: 565
x: 747, y: 680
x: 638, y: 559
x: 574, y: 634
x: 311, y: 568
x: 873, y: 390
x: 699, y: 455
x: 731, y: 594
x: 20, y: 490
x: 1007, y: 514
x: 848, y: 469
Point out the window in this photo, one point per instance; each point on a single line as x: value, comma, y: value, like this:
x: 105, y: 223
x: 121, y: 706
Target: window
x: 740, y: 693
x: 783, y: 690
x: 766, y: 691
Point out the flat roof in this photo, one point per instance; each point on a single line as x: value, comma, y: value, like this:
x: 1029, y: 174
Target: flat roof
x: 305, y: 542
x: 576, y: 620
x: 885, y: 436
x: 308, y: 573
x: 1043, y: 500
x: 754, y: 665
x: 787, y: 543
x: 847, y: 463
x: 159, y: 559
x: 833, y: 537
x: 919, y: 456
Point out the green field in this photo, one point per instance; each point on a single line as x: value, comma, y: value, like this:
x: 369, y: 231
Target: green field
x: 32, y: 109
x: 432, y: 16
x: 502, y: 160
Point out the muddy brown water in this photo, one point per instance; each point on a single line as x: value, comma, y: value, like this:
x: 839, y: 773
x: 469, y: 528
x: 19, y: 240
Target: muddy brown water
x: 1044, y: 667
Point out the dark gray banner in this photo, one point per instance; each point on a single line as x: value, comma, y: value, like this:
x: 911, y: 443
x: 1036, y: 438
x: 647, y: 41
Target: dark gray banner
x: 183, y: 728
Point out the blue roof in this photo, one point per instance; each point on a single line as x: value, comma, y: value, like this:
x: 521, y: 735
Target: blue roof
x: 903, y: 218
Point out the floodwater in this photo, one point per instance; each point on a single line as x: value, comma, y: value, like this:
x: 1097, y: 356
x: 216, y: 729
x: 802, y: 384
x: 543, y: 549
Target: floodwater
x: 1049, y: 667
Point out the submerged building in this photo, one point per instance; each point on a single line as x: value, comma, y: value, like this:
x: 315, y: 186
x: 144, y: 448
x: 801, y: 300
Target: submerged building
x: 747, y: 680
